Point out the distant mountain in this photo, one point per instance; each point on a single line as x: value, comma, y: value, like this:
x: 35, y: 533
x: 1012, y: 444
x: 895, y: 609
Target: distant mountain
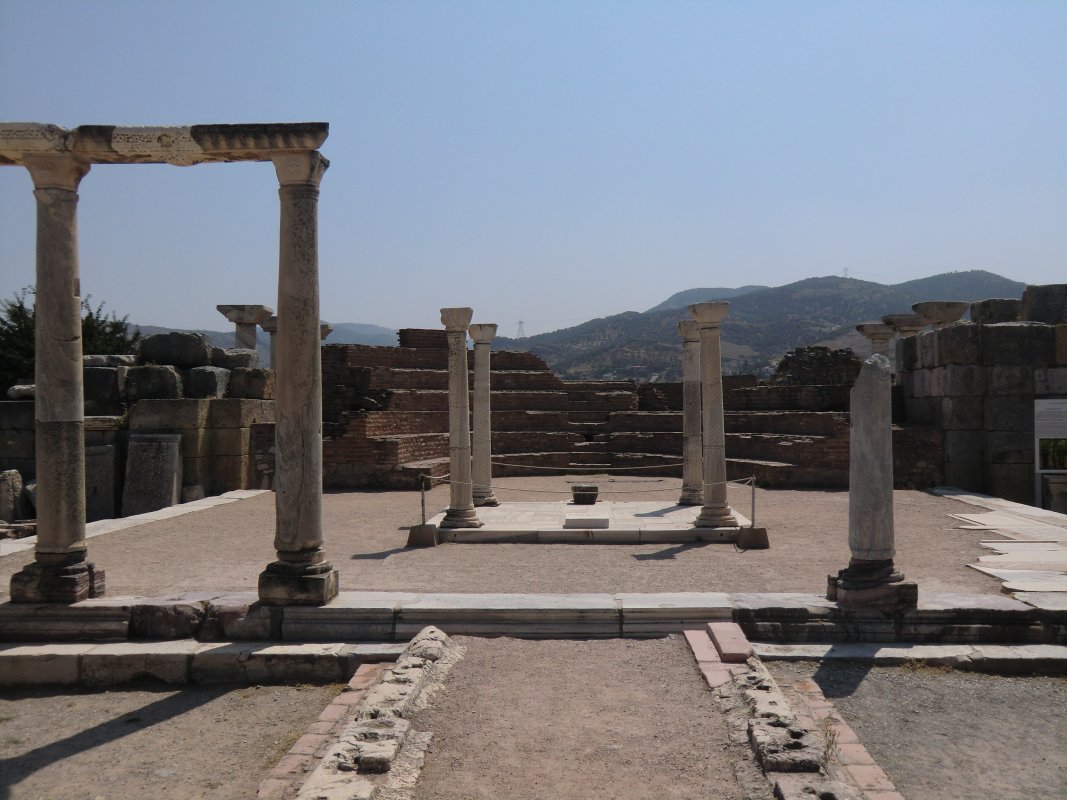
x: 690, y: 296
x: 762, y: 325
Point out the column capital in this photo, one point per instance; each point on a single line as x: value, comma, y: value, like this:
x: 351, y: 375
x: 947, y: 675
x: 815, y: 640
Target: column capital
x: 300, y: 168
x: 246, y: 314
x: 270, y: 324
x: 690, y: 330
x: 709, y: 315
x: 876, y: 330
x: 482, y: 333
x: 55, y: 170
x: 456, y: 319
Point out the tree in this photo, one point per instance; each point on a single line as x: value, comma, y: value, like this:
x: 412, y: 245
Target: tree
x: 102, y: 334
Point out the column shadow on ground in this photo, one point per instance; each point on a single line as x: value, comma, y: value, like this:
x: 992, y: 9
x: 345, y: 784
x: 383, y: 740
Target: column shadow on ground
x: 670, y: 552
x: 381, y: 555
x: 840, y: 678
x: 17, y: 768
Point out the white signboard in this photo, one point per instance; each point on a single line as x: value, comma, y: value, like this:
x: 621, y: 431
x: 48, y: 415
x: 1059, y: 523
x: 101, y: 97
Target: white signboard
x: 1050, y: 435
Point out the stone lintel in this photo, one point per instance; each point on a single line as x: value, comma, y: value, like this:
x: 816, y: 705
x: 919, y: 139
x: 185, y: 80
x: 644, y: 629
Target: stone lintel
x: 247, y: 314
x: 180, y: 145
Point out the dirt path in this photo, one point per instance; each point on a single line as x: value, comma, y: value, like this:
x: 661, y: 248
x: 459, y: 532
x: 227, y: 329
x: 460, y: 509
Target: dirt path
x: 150, y: 740
x: 943, y: 735
x: 575, y: 720
x: 226, y: 547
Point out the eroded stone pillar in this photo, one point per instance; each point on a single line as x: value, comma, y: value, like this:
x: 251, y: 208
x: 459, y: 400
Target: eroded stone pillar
x: 245, y: 318
x: 716, y: 512
x: 460, y: 512
x: 60, y: 572
x: 481, y: 460
x: 870, y: 578
x: 879, y: 334
x: 301, y: 574
x: 692, y: 489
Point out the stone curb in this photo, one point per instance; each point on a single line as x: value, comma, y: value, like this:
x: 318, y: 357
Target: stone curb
x: 186, y: 661
x: 396, y: 616
x: 1043, y: 658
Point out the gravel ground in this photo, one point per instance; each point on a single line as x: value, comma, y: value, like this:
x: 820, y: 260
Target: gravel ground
x: 575, y: 720
x: 226, y: 547
x: 942, y: 735
x: 149, y: 740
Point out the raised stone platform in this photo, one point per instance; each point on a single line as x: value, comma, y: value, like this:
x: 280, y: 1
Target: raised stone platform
x: 557, y: 523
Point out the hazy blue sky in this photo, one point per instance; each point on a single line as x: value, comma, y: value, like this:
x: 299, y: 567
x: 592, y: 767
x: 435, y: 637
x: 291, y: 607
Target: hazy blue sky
x: 553, y: 161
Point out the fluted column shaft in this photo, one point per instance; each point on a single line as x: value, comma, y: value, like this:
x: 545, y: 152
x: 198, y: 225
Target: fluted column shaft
x: 60, y: 572
x: 692, y: 479
x: 716, y: 512
x: 460, y: 512
x: 482, y: 453
x: 301, y: 574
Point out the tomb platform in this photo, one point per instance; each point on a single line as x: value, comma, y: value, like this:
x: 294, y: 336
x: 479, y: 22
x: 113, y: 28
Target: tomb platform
x: 606, y: 522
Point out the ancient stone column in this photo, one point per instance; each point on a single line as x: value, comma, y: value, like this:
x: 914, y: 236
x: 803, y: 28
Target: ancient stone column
x: 246, y: 318
x: 692, y: 480
x: 871, y: 578
x: 716, y: 512
x: 905, y: 324
x: 270, y: 326
x: 481, y: 461
x: 301, y: 575
x: 879, y: 334
x: 460, y: 512
x: 60, y: 572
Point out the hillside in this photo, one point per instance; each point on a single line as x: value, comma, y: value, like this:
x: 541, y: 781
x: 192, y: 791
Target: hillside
x: 690, y: 296
x: 762, y: 325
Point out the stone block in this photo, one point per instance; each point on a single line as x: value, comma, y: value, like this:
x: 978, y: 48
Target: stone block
x: 935, y: 382
x: 195, y: 442
x: 17, y: 415
x: 153, y: 473
x: 122, y: 662
x: 1013, y: 482
x: 1046, y: 304
x: 227, y: 473
x: 1010, y: 380
x: 1061, y: 347
x: 918, y: 383
x: 965, y: 475
x: 962, y: 413
x: 10, y: 496
x: 177, y: 348
x: 1009, y: 447
x: 25, y: 664
x: 207, y: 382
x: 995, y: 310
x: 1017, y: 344
x: 959, y: 344
x: 233, y: 357
x: 1009, y: 412
x: 908, y: 353
x: 165, y: 618
x: 239, y: 413
x: 252, y: 383
x: 168, y: 415
x: 153, y: 383
x: 965, y: 379
x: 195, y: 471
x: 1051, y: 381
x: 104, y: 390
x: 101, y: 482
x: 928, y: 349
x: 964, y: 446
x: 110, y: 360
x: 18, y: 445
x: 268, y: 664
x: 228, y: 441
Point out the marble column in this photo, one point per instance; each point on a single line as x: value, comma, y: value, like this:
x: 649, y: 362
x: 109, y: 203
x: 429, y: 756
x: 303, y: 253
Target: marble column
x: 461, y: 513
x: 60, y: 572
x: 481, y: 460
x: 716, y: 512
x: 871, y: 578
x: 270, y: 327
x: 692, y: 489
x: 879, y: 334
x: 301, y: 574
x: 245, y: 318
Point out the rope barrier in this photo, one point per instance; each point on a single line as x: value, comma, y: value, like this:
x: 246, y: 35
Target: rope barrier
x: 742, y: 482
x: 573, y: 467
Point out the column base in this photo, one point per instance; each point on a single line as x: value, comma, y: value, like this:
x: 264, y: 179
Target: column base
x: 716, y: 518
x: 691, y: 497
x: 48, y: 583
x: 872, y: 584
x: 461, y: 518
x: 285, y: 584
x: 485, y: 500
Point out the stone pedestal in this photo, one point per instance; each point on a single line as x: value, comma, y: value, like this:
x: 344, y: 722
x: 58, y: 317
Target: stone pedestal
x: 871, y: 578
x: 153, y: 473
x: 482, y: 454
x: 716, y: 512
x: 940, y: 313
x: 460, y: 512
x: 246, y: 318
x: 60, y: 572
x: 879, y: 334
x: 692, y: 489
x: 301, y: 575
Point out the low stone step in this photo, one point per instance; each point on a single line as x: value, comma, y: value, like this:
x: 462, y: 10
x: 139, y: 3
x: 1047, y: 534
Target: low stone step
x: 730, y: 642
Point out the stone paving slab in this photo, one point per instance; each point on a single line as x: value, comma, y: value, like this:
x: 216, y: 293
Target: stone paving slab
x: 994, y: 657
